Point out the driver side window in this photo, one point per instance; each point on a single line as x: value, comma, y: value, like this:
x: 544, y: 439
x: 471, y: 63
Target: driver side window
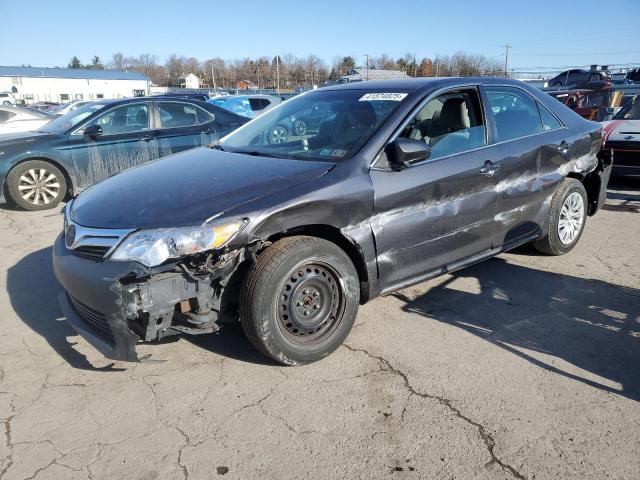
x: 450, y: 123
x: 124, y: 119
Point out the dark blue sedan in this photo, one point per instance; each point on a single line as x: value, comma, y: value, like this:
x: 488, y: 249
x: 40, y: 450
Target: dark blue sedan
x: 76, y: 150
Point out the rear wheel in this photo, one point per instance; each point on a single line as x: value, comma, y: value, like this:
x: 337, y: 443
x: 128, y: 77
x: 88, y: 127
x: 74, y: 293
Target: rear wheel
x: 557, y: 84
x: 278, y: 134
x: 36, y: 185
x: 568, y: 214
x: 594, y: 77
x: 300, y: 299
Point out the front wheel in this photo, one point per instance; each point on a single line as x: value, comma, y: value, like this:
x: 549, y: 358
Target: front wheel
x: 594, y: 77
x: 36, y: 185
x: 299, y: 300
x: 567, y: 216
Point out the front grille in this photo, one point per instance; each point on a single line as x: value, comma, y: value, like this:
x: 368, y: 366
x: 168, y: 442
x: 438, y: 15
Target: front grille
x: 626, y: 159
x: 93, y: 251
x: 96, y: 320
x: 94, y: 243
x: 618, y: 144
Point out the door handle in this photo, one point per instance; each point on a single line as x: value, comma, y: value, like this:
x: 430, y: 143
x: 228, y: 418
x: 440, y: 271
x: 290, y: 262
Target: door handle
x: 563, y: 148
x: 146, y: 138
x: 489, y: 168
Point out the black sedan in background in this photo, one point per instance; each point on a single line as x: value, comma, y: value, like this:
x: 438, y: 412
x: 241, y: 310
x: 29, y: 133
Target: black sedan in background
x: 572, y: 77
x: 401, y: 181
x: 38, y: 169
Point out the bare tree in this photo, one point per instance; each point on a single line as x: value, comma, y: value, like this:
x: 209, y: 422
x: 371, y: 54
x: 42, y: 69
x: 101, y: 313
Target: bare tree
x: 117, y: 61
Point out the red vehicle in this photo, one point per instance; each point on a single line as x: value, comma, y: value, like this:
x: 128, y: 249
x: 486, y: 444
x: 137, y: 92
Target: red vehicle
x: 592, y: 103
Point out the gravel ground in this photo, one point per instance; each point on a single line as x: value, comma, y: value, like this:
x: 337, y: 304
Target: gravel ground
x: 524, y: 366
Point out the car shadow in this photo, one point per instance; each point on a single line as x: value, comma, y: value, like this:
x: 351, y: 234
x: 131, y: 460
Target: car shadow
x: 33, y: 290
x: 592, y: 325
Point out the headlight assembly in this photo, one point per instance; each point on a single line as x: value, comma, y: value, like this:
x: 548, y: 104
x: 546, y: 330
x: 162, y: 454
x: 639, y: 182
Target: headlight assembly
x: 153, y: 247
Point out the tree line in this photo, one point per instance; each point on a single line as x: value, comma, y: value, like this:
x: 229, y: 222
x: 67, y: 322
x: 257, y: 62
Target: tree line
x: 288, y: 71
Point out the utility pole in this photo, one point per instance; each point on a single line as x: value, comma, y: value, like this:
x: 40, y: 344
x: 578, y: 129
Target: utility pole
x: 366, y: 55
x: 506, y: 58
x: 277, y: 74
x: 213, y: 78
x: 415, y: 67
x: 437, y: 65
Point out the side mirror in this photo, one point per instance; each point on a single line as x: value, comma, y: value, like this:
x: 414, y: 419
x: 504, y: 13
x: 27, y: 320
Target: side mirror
x: 93, y: 131
x: 403, y: 152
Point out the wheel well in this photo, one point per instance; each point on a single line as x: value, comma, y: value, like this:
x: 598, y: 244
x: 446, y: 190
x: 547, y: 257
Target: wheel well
x: 591, y: 184
x: 334, y: 235
x: 55, y: 164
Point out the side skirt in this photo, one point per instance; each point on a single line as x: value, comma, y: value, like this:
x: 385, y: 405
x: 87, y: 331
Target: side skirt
x: 465, y: 262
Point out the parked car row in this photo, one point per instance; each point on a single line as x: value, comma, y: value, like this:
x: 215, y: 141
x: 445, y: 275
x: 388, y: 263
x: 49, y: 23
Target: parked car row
x: 65, y: 155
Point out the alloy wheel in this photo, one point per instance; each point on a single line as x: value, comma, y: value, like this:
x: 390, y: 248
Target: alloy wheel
x: 571, y: 218
x: 278, y: 135
x: 38, y: 186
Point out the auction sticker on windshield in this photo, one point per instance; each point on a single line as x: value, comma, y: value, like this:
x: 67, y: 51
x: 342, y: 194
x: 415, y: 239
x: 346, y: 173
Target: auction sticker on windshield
x: 394, y: 97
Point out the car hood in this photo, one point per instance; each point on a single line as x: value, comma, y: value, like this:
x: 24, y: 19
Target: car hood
x: 21, y: 138
x: 187, y: 188
x: 622, y: 130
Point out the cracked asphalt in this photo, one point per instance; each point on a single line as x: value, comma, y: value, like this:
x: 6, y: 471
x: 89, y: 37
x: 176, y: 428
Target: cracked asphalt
x: 524, y: 367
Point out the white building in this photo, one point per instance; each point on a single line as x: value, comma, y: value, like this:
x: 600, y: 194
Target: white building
x: 189, y: 81
x: 32, y: 84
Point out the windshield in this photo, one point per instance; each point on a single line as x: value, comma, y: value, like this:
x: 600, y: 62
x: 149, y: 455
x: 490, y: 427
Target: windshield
x: 72, y: 118
x: 631, y: 111
x: 325, y: 125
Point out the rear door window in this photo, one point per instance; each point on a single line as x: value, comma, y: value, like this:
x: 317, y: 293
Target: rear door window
x: 549, y: 121
x: 176, y: 115
x: 514, y: 112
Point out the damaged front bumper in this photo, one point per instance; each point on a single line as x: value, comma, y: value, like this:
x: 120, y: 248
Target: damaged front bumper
x: 115, y: 305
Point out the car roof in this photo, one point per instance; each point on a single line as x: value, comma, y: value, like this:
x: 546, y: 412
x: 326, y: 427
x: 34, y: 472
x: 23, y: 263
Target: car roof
x: 421, y: 84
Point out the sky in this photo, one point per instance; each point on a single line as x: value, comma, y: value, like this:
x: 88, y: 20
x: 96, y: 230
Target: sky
x: 48, y: 33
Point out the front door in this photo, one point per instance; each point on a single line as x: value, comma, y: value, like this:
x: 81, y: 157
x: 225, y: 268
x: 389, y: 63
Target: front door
x: 125, y: 140
x: 441, y: 211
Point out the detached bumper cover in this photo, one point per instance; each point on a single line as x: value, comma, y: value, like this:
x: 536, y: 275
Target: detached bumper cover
x: 92, y: 303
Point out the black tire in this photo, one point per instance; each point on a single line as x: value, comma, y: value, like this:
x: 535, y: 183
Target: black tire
x: 557, y: 84
x: 6, y: 103
x: 47, y: 192
x: 299, y: 300
x: 552, y: 244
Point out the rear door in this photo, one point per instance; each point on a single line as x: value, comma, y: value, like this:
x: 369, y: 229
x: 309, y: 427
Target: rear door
x: 441, y: 211
x: 532, y: 145
x: 182, y: 125
x: 126, y: 141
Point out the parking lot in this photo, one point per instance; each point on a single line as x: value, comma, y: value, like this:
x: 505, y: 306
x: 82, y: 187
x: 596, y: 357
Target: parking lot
x: 524, y: 366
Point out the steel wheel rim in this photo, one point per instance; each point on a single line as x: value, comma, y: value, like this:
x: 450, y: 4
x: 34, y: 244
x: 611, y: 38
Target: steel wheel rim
x: 278, y: 135
x: 315, y: 288
x: 300, y: 127
x: 38, y: 186
x: 571, y: 218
